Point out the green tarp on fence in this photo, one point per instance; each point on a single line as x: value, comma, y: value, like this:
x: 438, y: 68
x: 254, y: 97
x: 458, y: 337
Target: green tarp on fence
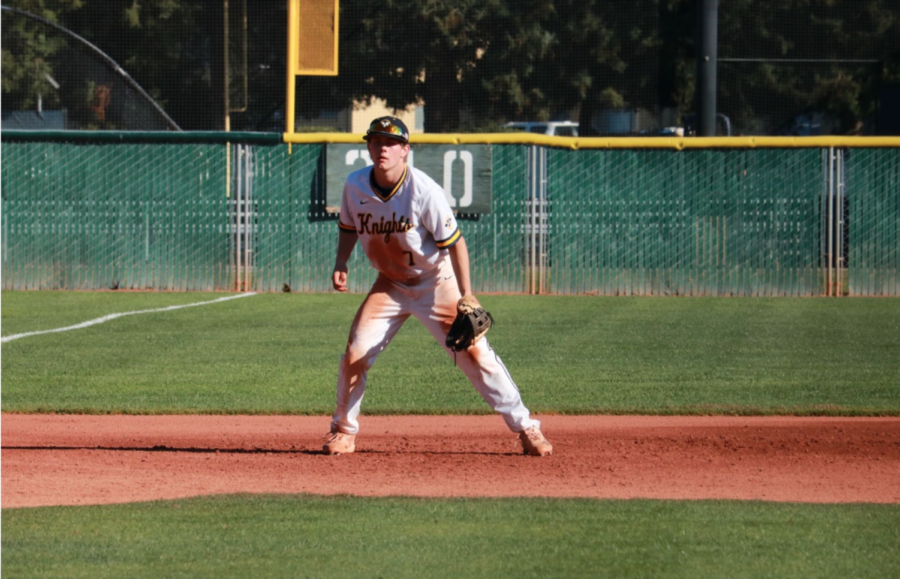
x: 147, y: 212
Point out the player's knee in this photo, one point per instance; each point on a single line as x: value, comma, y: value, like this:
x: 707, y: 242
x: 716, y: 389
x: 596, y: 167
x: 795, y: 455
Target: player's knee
x: 472, y: 356
x: 481, y: 351
x: 483, y: 357
x: 356, y: 357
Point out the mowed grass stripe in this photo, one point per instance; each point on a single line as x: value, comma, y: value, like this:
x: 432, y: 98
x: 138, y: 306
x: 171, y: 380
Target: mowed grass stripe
x: 346, y: 537
x: 278, y: 353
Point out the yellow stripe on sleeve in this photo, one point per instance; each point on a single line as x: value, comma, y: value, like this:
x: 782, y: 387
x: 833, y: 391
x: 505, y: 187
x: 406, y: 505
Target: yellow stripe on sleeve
x: 450, y: 241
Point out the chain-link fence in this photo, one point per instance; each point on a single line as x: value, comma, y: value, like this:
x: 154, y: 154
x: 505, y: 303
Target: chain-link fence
x: 872, y: 189
x: 100, y: 216
x: 204, y: 213
x: 739, y: 222
x: 610, y: 67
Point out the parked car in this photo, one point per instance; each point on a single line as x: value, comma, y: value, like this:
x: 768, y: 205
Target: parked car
x: 553, y: 128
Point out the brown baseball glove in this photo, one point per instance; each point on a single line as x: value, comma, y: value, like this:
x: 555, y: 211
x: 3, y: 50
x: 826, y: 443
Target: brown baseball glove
x: 471, y: 323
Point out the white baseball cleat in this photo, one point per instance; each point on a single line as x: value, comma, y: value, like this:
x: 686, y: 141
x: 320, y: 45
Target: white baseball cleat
x: 534, y: 443
x: 339, y: 443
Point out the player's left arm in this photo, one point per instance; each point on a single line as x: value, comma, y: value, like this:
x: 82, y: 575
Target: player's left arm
x: 459, y: 257
x: 438, y: 219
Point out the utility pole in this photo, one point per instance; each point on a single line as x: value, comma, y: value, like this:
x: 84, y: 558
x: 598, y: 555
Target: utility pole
x: 707, y: 59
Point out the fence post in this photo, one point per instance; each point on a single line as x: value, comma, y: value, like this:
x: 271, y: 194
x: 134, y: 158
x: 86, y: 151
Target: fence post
x: 840, y: 265
x: 537, y: 219
x: 236, y: 176
x: 249, y: 218
x: 243, y: 217
x: 829, y: 226
x: 532, y: 215
x: 543, y: 220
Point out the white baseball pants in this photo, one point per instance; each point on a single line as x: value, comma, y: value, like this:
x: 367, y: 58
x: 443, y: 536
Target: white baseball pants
x: 432, y: 299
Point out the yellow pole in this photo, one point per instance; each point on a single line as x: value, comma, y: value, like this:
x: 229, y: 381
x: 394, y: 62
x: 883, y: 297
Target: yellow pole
x: 293, y: 57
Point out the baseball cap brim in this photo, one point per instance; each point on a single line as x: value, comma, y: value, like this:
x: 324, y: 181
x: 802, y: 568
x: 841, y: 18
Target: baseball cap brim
x: 390, y: 127
x: 388, y: 135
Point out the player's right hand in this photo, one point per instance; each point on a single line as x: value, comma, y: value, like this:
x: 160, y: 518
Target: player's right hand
x: 339, y: 278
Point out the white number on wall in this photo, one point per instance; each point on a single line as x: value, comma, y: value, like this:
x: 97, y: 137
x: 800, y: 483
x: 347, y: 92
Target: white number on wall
x: 354, y: 155
x: 449, y: 159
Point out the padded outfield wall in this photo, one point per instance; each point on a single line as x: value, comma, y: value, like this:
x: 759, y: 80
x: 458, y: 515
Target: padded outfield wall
x: 654, y: 216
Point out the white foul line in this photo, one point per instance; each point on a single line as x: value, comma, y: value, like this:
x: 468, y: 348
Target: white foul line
x: 109, y: 317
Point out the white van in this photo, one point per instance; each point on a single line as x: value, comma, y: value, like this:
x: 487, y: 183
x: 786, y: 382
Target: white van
x: 553, y: 128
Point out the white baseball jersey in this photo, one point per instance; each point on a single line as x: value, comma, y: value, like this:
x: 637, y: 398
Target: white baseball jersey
x: 404, y: 232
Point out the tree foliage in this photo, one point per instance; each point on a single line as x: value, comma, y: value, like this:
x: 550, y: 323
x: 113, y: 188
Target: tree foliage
x: 28, y: 71
x: 826, y: 56
x: 477, y: 63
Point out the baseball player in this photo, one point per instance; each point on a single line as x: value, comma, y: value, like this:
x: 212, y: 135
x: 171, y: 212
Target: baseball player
x: 406, y: 228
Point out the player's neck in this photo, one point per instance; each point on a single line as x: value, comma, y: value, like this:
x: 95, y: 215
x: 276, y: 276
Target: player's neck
x: 388, y: 179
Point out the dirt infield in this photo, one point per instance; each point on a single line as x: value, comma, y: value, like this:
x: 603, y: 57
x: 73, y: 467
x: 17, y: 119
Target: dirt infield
x: 81, y: 460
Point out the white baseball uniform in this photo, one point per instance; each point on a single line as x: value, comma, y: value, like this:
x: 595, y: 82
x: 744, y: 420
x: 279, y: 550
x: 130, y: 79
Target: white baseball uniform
x: 405, y: 233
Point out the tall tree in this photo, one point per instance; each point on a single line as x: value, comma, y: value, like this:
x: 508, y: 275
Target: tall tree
x: 477, y: 63
x: 415, y: 51
x: 605, y: 56
x: 172, y: 48
x: 157, y: 42
x: 805, y: 56
x: 28, y: 54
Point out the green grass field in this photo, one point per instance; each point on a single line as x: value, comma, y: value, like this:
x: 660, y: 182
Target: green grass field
x: 278, y: 353
x: 348, y: 537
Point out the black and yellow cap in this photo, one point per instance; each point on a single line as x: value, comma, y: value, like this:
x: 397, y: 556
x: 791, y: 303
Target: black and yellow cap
x: 389, y: 127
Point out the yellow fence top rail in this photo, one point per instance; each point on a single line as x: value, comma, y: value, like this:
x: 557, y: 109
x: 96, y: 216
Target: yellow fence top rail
x: 675, y: 143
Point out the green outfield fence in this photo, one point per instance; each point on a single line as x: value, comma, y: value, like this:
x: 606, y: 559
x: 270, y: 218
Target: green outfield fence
x: 655, y: 216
